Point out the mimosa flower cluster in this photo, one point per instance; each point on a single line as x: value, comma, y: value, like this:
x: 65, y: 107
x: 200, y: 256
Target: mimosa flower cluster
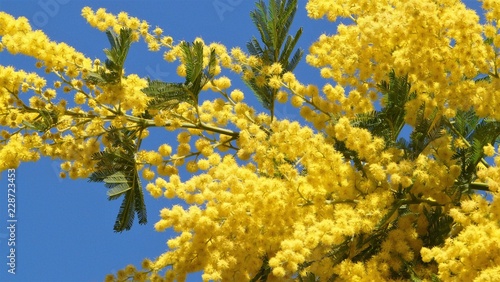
x: 317, y: 198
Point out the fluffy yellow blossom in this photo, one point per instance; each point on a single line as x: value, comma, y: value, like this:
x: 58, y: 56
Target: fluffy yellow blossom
x: 154, y: 190
x: 337, y: 193
x: 282, y: 96
x: 165, y: 150
x: 191, y: 166
x: 183, y: 137
x: 489, y: 150
x: 183, y: 149
x: 359, y: 47
x: 222, y: 83
x: 181, y: 70
x: 296, y: 101
x: 80, y: 98
x: 274, y: 82
x: 237, y: 95
x: 203, y: 164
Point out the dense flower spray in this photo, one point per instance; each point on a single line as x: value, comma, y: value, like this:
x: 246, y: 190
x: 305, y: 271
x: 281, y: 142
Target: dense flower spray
x: 338, y: 195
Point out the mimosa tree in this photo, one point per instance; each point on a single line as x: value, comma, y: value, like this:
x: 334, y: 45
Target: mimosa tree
x: 343, y: 194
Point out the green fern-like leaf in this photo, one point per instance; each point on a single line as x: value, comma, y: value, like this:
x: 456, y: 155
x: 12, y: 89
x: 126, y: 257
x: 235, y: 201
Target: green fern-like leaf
x: 465, y: 123
x: 264, y: 94
x: 212, y: 65
x: 254, y: 47
x: 118, y: 184
x: 193, y: 56
x: 133, y: 203
x: 166, y: 95
x: 389, y: 120
x: 43, y: 122
x: 475, y: 133
x: 197, y: 75
x: 486, y: 132
x: 261, y: 21
x: 263, y: 272
x: 427, y: 130
x: 295, y: 59
x: 439, y: 226
x: 140, y: 206
x: 117, y: 169
x: 112, y: 71
x: 273, y: 23
x: 120, y: 45
x: 102, y: 173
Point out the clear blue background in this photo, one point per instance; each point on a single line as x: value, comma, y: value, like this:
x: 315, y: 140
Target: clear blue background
x: 65, y: 227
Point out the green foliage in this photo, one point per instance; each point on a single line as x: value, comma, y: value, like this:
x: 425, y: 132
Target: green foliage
x: 388, y: 122
x: 476, y: 133
x: 466, y: 125
x: 427, y: 130
x: 193, y: 56
x: 168, y: 95
x: 273, y: 24
x: 113, y: 70
x: 43, y: 122
x: 263, y: 272
x: 118, y: 184
x: 196, y: 75
x: 439, y: 226
x: 309, y: 277
x: 486, y: 132
x: 116, y: 167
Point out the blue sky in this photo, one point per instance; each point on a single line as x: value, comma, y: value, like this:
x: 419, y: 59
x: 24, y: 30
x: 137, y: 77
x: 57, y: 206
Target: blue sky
x: 64, y: 230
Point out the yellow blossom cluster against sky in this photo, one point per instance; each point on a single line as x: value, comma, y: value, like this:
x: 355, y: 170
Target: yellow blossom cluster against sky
x: 437, y: 43
x: 265, y: 189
